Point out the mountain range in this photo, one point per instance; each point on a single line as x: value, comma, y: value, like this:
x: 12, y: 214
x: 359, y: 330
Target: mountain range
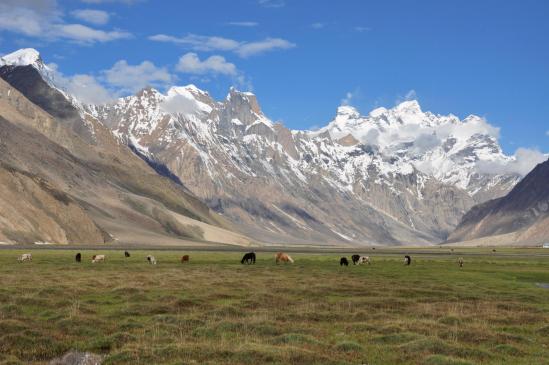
x: 394, y: 176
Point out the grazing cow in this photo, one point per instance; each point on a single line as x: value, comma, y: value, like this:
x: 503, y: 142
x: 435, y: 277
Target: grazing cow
x: 364, y: 260
x: 407, y: 260
x: 151, y: 260
x: 343, y: 261
x: 494, y: 250
x: 460, y: 262
x: 355, y: 259
x: 184, y: 258
x: 98, y: 258
x: 282, y: 257
x: 25, y: 257
x: 78, y: 257
x: 126, y: 254
x: 248, y: 258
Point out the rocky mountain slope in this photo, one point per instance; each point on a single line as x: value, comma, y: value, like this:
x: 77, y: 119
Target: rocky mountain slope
x: 394, y: 176
x: 522, y: 216
x: 65, y: 178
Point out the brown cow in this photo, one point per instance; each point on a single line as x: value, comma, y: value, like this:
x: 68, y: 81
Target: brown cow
x: 184, y: 258
x: 282, y: 257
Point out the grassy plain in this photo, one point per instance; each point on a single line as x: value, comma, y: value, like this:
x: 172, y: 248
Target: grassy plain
x: 216, y: 311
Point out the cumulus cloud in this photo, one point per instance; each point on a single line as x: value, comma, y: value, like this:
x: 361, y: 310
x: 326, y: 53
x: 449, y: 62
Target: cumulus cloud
x: 88, y: 90
x: 191, y: 63
x: 43, y: 19
x: 121, y: 79
x: 214, y: 43
x: 84, y: 34
x: 521, y: 163
x: 85, y: 88
x: 131, y: 78
x: 98, y: 17
x: 215, y: 65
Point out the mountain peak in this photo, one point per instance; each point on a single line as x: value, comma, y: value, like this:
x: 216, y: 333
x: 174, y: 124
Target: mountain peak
x: 409, y: 106
x: 21, y: 57
x: 238, y: 99
x: 348, y: 111
x: 235, y: 92
x: 190, y: 88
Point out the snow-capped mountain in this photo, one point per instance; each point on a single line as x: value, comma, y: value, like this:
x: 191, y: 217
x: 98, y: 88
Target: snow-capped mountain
x: 396, y: 175
x: 66, y: 178
x: 31, y: 57
x: 444, y: 147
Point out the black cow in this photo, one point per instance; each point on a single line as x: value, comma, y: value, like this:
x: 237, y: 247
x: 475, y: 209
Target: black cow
x: 343, y: 261
x: 126, y: 254
x: 78, y: 257
x: 407, y: 260
x: 355, y: 259
x: 248, y: 258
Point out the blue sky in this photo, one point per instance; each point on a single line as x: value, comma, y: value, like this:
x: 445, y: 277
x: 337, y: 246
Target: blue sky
x: 304, y: 58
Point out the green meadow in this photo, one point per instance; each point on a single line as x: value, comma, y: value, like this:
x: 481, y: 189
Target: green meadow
x: 213, y: 310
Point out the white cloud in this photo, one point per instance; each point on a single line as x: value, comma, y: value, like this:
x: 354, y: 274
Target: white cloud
x: 131, y: 78
x: 85, y: 88
x: 213, y: 43
x: 30, y: 18
x: 547, y: 133
x: 361, y: 29
x: 244, y: 24
x: 214, y: 65
x: 523, y: 161
x: 43, y: 19
x: 88, y: 90
x: 199, y: 43
x: 268, y: 44
x: 318, y: 25
x: 190, y: 63
x: 84, y: 34
x: 121, y: 79
x: 469, y: 127
x: 272, y: 3
x: 98, y: 17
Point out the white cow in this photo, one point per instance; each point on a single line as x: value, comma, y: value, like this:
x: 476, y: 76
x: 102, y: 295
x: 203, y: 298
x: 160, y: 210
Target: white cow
x: 364, y: 260
x: 98, y: 258
x: 25, y: 257
x: 151, y: 260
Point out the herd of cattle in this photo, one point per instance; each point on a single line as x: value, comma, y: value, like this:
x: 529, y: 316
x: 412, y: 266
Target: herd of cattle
x: 248, y: 258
